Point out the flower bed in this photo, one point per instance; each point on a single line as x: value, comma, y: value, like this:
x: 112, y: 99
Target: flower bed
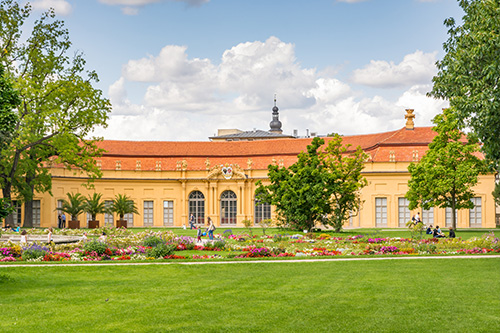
x: 124, y: 245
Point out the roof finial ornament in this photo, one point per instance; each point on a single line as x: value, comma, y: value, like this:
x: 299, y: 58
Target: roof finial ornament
x: 409, y: 119
x: 275, y: 124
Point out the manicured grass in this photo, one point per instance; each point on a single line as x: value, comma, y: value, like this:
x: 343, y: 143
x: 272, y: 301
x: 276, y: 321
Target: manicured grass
x: 372, y: 232
x: 416, y: 295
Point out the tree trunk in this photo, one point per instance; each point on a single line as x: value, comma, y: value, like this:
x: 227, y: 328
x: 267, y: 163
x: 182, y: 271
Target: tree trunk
x: 9, y: 220
x: 453, y: 212
x: 28, y: 214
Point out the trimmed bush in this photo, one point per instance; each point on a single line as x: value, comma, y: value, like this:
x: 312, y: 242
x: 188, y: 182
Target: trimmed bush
x: 96, y: 246
x: 161, y: 250
x: 153, y: 241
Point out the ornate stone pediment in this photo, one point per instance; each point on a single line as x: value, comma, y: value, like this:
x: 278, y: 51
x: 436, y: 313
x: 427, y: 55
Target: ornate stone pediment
x: 227, y: 171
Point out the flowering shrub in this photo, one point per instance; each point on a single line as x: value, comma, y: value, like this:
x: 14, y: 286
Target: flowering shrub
x: 173, y: 256
x: 124, y: 245
x: 388, y: 249
x: 56, y: 257
x: 34, y: 252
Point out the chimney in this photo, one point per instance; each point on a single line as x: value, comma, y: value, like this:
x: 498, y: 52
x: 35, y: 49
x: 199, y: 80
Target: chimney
x: 409, y: 119
x: 295, y: 133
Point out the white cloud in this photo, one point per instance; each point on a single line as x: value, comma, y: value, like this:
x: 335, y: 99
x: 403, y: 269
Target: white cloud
x: 416, y: 68
x: 186, y: 98
x: 131, y: 7
x: 130, y: 10
x: 61, y: 7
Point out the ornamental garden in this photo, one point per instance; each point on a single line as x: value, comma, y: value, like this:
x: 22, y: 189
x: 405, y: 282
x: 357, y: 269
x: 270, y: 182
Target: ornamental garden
x: 120, y: 244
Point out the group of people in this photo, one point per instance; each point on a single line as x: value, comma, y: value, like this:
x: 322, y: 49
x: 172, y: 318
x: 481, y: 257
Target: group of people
x: 61, y: 221
x: 437, y: 233
x: 208, y: 231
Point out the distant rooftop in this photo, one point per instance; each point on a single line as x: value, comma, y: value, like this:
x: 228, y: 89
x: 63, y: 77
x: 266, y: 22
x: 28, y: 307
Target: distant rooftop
x: 238, y: 135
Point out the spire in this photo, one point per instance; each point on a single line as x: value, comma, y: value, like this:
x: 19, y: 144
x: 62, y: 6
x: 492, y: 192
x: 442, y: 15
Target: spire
x: 275, y: 124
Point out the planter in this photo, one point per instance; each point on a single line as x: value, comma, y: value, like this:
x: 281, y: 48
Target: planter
x: 93, y: 224
x: 121, y: 223
x: 73, y: 224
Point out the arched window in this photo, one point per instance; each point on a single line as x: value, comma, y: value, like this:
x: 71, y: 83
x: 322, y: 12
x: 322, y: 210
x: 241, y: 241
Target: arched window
x: 262, y: 211
x: 197, y: 207
x: 228, y: 208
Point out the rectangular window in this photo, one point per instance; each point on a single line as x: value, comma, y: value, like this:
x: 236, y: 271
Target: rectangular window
x: 404, y: 214
x: 449, y: 217
x: 475, y: 214
x: 108, y: 218
x: 381, y: 212
x: 130, y: 219
x: 17, y: 212
x: 148, y: 213
x: 36, y: 213
x: 88, y: 218
x: 262, y: 211
x: 428, y: 216
x: 168, y: 213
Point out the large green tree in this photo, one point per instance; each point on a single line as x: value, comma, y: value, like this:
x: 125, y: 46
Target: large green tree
x: 445, y: 175
x: 321, y: 187
x: 469, y: 73
x: 59, y: 106
x: 344, y: 176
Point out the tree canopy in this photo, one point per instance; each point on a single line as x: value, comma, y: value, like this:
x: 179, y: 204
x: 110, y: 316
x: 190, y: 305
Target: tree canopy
x: 445, y: 175
x: 58, y: 106
x: 321, y: 187
x: 469, y: 73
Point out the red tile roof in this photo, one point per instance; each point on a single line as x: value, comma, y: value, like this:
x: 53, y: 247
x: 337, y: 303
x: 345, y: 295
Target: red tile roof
x: 399, y: 145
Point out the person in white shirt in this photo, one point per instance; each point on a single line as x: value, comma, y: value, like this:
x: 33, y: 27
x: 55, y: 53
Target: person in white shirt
x: 49, y: 235
x: 24, y: 238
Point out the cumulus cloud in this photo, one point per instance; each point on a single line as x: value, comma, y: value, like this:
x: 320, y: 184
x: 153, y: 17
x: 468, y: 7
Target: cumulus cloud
x: 61, y: 7
x: 186, y: 98
x: 416, y: 68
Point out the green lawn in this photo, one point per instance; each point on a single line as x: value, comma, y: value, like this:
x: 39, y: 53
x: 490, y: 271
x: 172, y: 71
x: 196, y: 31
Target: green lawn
x: 460, y: 295
x: 374, y: 232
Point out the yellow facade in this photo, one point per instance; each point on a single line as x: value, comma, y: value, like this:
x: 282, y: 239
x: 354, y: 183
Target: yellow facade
x: 385, y: 180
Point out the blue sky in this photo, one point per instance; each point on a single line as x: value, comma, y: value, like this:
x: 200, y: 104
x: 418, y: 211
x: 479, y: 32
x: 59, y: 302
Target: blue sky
x: 180, y: 70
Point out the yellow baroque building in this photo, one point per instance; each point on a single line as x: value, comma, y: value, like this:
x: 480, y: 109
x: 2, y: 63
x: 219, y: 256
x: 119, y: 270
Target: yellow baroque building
x: 169, y: 181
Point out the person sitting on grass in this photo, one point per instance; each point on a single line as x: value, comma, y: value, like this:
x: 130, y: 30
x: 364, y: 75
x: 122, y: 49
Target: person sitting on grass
x: 437, y: 233
x: 452, y: 233
x: 429, y: 230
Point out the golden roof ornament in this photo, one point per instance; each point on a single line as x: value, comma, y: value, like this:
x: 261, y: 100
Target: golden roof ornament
x: 409, y: 119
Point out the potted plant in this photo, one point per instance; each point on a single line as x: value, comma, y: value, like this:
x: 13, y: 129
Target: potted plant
x: 123, y: 205
x: 94, y: 206
x: 74, y: 206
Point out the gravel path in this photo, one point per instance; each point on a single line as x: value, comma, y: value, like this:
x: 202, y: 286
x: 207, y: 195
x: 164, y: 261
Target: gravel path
x: 216, y: 262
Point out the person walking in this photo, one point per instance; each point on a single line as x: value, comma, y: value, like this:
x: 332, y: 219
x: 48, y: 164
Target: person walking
x: 210, y: 229
x: 59, y: 221
x: 49, y: 236
x: 198, y: 233
x: 191, y: 222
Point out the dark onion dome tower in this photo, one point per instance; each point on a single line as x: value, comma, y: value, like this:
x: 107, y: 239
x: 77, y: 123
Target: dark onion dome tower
x: 275, y: 124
